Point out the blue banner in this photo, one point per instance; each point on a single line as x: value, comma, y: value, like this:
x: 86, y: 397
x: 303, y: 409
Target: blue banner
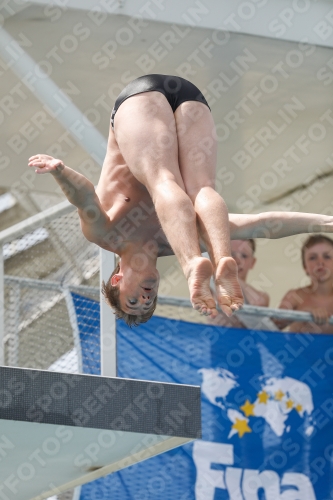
x: 267, y: 409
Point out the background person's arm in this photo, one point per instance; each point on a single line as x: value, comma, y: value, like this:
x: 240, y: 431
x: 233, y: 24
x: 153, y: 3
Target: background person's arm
x: 275, y: 225
x: 293, y: 300
x: 290, y: 301
x: 95, y: 223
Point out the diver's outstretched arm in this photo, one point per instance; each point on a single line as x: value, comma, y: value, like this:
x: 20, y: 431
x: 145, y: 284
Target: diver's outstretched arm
x: 275, y: 225
x: 95, y: 223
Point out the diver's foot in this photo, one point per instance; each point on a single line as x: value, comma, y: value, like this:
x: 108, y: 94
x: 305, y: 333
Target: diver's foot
x: 198, y: 276
x: 228, y: 290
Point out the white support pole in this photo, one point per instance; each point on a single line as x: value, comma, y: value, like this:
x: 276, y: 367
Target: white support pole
x: 108, y: 320
x: 2, y: 307
x: 74, y: 325
x: 13, y: 325
x: 77, y: 493
x: 49, y: 94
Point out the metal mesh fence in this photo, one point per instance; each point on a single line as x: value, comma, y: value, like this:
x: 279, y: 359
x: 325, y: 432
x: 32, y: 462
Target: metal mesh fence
x: 42, y: 268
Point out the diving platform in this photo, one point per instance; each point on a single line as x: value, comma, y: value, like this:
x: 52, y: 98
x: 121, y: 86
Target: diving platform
x: 61, y: 430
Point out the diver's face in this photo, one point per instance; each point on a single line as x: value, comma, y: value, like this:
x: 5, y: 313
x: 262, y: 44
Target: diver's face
x: 137, y: 290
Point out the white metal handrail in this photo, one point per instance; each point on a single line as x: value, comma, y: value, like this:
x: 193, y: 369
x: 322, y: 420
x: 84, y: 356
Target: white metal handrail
x: 50, y: 285
x: 35, y: 221
x: 284, y: 314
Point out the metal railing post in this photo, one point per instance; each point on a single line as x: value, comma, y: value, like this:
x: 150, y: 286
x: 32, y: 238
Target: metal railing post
x: 108, y: 320
x: 2, y: 307
x: 75, y: 327
x: 13, y: 325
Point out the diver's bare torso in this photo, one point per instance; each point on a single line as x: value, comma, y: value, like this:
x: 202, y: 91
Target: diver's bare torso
x: 128, y: 205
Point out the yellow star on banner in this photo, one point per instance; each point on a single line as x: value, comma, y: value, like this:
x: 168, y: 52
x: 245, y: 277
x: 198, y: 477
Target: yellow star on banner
x: 247, y: 408
x: 241, y: 427
x: 299, y: 408
x: 289, y: 403
x: 279, y: 395
x: 263, y: 397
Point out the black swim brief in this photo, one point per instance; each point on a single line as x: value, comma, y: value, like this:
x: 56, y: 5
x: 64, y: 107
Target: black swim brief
x: 176, y: 89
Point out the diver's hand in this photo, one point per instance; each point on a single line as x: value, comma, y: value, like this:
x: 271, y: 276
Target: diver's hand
x: 44, y: 164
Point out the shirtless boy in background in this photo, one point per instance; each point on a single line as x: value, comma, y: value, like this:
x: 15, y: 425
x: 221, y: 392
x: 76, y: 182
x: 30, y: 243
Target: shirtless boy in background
x: 316, y: 298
